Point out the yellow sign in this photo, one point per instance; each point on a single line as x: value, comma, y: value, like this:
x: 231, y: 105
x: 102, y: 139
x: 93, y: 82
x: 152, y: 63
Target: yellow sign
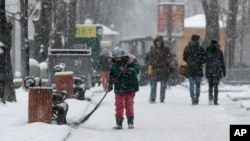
x: 85, y: 31
x: 105, y: 43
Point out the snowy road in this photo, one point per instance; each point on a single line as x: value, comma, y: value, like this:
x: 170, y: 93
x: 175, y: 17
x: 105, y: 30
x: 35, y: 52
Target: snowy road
x: 174, y: 120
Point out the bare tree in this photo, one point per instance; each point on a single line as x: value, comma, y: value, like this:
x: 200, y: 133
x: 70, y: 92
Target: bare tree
x: 99, y: 11
x: 64, y: 20
x: 211, y: 10
x: 24, y: 60
x: 244, y: 27
x: 7, y: 85
x: 42, y: 30
x: 231, y: 32
x: 71, y: 23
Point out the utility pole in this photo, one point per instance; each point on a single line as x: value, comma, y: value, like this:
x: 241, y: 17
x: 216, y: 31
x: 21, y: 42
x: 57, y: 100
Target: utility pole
x: 169, y: 24
x: 27, y: 56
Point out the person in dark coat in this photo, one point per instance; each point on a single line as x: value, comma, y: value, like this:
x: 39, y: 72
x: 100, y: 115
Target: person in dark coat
x: 194, y: 56
x: 215, y: 70
x: 160, y: 59
x: 104, y: 64
x: 123, y: 75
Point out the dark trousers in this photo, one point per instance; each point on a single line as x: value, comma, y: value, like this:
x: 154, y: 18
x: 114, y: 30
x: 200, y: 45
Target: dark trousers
x: 213, y: 88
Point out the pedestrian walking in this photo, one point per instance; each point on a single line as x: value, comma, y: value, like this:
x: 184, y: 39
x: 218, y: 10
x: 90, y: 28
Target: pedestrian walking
x: 104, y: 64
x: 123, y: 75
x: 194, y: 56
x: 215, y: 70
x: 160, y: 60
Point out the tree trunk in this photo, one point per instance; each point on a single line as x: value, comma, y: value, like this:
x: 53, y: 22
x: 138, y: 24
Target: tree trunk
x: 231, y: 32
x: 211, y: 10
x: 60, y: 20
x: 42, y: 32
x: 244, y: 29
x: 9, y: 90
x: 5, y: 38
x: 71, y: 24
x: 24, y: 68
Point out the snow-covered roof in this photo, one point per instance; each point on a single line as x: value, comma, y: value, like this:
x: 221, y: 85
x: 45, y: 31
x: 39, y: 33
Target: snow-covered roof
x: 197, y: 21
x: 135, y: 37
x: 107, y: 30
x: 171, y: 3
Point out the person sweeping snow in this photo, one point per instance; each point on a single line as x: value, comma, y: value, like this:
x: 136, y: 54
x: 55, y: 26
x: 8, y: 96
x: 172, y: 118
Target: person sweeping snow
x: 123, y: 72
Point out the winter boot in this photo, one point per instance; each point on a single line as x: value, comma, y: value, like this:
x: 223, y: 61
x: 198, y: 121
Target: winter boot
x: 119, y: 121
x: 210, y: 101
x: 130, y: 122
x: 195, y: 101
x: 216, y: 102
x: 210, y: 96
x: 216, y: 99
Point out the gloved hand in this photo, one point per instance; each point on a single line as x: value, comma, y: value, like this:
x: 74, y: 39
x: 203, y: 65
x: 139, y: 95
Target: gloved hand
x: 110, y: 88
x: 123, y: 69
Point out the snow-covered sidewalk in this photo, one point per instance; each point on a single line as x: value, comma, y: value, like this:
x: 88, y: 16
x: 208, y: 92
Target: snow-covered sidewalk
x: 14, y: 120
x: 174, y: 120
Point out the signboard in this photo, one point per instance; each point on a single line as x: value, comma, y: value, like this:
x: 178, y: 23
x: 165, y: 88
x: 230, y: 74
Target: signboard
x: 106, y: 44
x: 90, y: 31
x: 171, y: 14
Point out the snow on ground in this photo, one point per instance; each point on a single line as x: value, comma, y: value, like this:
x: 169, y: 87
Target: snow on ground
x: 174, y: 120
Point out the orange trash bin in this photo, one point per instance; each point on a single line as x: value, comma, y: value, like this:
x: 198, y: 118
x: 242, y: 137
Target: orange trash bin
x: 64, y: 82
x: 40, y: 104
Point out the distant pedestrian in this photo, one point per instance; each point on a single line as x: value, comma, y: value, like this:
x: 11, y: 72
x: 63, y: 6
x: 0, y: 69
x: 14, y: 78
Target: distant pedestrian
x: 160, y: 59
x: 194, y: 56
x: 215, y: 70
x: 123, y: 75
x: 104, y: 64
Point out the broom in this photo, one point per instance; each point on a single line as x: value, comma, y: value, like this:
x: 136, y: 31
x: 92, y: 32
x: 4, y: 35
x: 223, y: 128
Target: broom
x: 99, y: 103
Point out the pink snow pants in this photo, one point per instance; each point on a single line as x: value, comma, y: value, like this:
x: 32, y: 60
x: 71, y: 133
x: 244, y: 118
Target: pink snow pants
x: 124, y: 101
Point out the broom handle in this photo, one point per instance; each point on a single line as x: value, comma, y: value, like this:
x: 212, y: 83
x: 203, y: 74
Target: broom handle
x: 88, y: 115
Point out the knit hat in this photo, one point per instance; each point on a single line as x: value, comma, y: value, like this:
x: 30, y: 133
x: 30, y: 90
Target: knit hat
x: 159, y: 38
x: 118, y: 53
x: 195, y: 37
x: 214, y: 41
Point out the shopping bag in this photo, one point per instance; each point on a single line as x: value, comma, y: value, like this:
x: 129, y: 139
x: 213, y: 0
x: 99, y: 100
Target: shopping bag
x: 150, y: 69
x: 183, y: 70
